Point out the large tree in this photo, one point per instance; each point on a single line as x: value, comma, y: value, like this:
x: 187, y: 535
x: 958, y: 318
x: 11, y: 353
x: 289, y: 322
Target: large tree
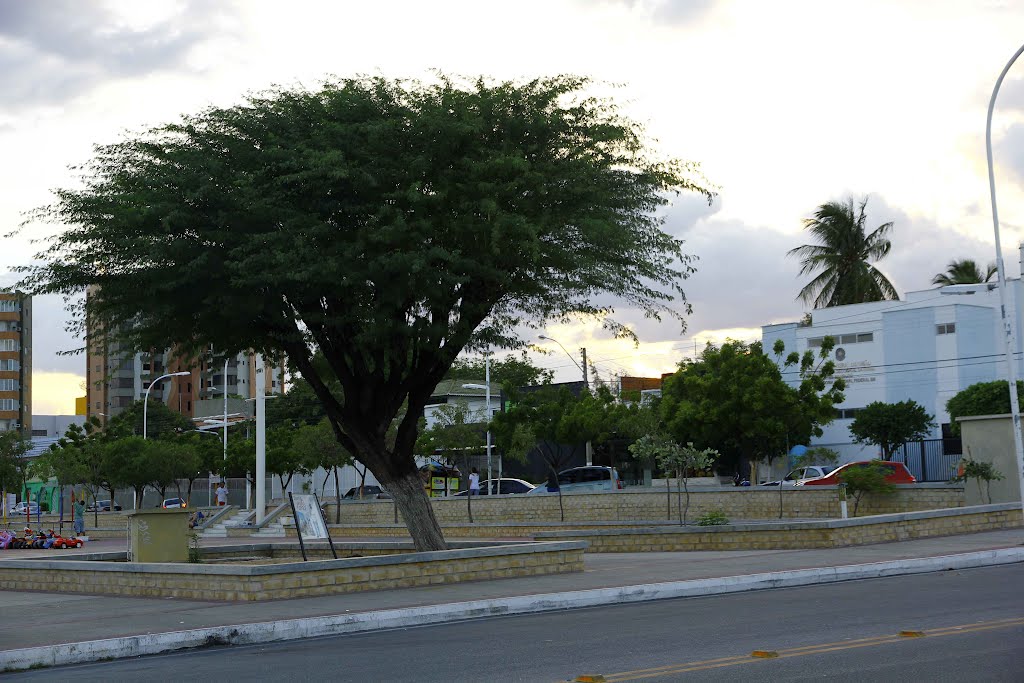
x: 386, y: 224
x: 964, y: 272
x: 890, y: 425
x: 843, y: 257
x: 734, y: 399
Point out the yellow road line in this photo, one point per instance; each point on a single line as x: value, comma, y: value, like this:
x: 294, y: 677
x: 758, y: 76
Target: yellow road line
x: 819, y: 648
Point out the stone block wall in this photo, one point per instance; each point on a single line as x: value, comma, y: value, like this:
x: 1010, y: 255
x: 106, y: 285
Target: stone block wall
x: 820, y: 502
x: 271, y: 582
x: 799, y: 535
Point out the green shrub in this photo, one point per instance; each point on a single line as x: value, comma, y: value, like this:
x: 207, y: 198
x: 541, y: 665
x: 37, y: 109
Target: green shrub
x: 865, y: 479
x: 712, y: 518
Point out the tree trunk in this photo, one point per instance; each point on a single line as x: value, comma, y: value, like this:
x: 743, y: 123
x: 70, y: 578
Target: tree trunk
x: 668, y: 496
x: 782, y: 481
x: 417, y: 513
x: 686, y: 487
x: 337, y: 499
x: 679, y: 497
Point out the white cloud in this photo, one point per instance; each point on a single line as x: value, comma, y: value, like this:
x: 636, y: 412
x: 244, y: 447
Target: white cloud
x: 787, y: 106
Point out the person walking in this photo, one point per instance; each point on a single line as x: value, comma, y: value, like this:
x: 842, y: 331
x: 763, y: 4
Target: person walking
x: 222, y: 495
x: 474, y: 483
x: 79, y: 514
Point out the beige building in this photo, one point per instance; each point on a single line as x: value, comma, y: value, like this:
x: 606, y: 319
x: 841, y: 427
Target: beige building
x: 16, y: 362
x: 116, y: 378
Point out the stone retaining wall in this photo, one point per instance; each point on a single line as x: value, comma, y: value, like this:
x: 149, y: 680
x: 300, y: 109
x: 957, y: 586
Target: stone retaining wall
x: 799, y: 535
x: 291, y: 580
x: 819, y: 502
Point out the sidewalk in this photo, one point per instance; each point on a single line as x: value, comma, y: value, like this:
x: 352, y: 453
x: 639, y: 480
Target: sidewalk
x: 45, y: 619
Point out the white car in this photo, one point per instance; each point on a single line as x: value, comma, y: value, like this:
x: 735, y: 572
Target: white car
x: 19, y: 509
x: 801, y: 474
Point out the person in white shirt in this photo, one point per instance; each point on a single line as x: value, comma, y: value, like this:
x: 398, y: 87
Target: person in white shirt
x: 222, y: 494
x: 474, y: 483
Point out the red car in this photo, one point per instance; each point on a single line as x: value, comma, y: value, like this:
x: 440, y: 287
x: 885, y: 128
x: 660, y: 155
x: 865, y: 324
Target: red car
x: 898, y: 473
x: 63, y: 543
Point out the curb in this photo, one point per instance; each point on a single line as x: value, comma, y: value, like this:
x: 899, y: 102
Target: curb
x: 292, y: 629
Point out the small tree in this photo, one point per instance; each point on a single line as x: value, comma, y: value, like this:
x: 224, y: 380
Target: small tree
x: 983, y: 398
x: 980, y: 472
x: 870, y: 478
x: 453, y: 439
x: 890, y: 425
x: 656, y: 448
x: 685, y: 460
x: 318, y: 445
x: 12, y: 459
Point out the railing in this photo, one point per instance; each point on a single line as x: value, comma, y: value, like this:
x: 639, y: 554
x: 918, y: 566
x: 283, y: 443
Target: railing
x: 932, y: 459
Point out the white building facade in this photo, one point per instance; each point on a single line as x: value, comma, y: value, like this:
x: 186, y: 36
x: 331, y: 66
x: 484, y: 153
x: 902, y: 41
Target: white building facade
x: 926, y: 348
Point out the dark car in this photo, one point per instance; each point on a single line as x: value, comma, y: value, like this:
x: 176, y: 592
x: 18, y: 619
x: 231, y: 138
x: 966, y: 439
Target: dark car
x: 102, y: 506
x: 369, y: 491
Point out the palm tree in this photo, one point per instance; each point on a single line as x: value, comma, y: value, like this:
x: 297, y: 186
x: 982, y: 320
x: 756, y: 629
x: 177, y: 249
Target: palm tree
x: 843, y: 257
x: 964, y: 272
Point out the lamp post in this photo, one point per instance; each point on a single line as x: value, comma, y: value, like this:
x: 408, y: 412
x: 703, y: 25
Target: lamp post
x: 145, y: 401
x: 145, y: 411
x: 586, y: 382
x: 1009, y: 340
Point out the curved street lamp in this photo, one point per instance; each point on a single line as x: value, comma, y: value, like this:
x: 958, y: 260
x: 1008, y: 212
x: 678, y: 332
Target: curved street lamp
x: 145, y: 402
x: 1010, y: 342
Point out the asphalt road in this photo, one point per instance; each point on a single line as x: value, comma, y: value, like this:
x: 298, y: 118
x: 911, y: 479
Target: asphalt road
x: 972, y: 621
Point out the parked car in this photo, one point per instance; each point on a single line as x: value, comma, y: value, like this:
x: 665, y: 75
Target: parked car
x: 898, y: 473
x: 801, y: 474
x: 102, y: 506
x: 174, y: 503
x: 587, y: 478
x: 504, y: 485
x: 19, y: 509
x: 369, y: 492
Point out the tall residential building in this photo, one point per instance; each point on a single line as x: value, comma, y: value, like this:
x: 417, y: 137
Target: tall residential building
x: 116, y: 378
x: 16, y: 362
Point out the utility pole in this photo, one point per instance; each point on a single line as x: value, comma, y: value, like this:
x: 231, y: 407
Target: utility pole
x: 586, y: 383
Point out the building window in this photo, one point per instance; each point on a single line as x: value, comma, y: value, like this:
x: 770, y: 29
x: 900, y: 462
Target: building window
x: 844, y: 339
x: 38, y: 432
x: 8, y: 344
x: 8, y: 305
x: 945, y: 328
x: 98, y: 404
x: 9, y: 385
x: 8, y: 404
x: 9, y: 364
x: 847, y: 413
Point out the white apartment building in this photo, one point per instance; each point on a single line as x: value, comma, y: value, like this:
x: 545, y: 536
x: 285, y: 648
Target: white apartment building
x: 927, y: 348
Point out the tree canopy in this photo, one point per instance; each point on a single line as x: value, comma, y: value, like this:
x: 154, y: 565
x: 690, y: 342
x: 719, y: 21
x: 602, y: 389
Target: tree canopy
x: 511, y: 372
x: 386, y: 224
x: 734, y: 399
x: 964, y: 272
x: 844, y: 256
x: 890, y: 425
x: 983, y: 398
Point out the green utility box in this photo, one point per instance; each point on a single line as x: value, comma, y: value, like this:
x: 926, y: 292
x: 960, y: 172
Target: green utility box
x: 158, y: 535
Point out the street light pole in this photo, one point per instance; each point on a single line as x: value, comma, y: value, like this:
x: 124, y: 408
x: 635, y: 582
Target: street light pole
x: 586, y: 383
x: 145, y: 401
x: 145, y: 415
x: 1009, y: 340
x: 261, y: 441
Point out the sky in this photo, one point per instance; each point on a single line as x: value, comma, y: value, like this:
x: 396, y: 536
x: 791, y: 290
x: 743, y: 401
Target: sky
x: 786, y: 104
